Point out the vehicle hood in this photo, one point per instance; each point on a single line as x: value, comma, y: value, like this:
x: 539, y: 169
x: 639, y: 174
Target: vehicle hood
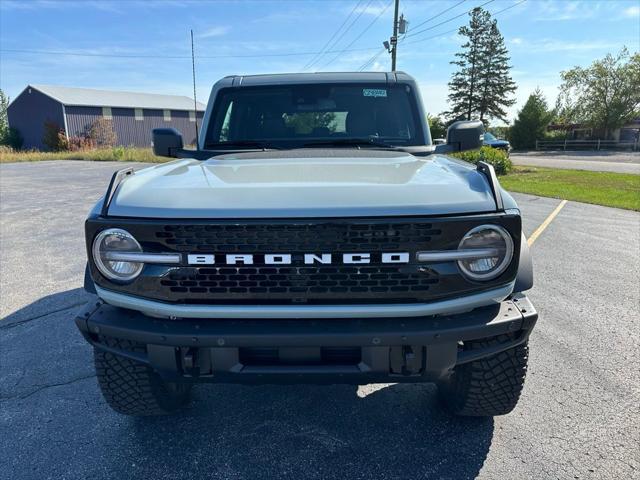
x: 304, y: 183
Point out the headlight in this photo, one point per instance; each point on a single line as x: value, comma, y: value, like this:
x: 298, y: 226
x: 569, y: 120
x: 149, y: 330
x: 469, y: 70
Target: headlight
x: 497, y: 244
x: 116, y: 240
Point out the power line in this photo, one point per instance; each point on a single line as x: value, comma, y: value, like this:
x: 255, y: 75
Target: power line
x: 262, y: 55
x: 439, y: 35
x: 188, y: 57
x: 448, y: 20
x: 372, y: 60
x: 439, y: 14
x: 359, y: 36
x: 313, y: 60
x: 508, y: 8
x: 337, y: 40
x: 442, y: 34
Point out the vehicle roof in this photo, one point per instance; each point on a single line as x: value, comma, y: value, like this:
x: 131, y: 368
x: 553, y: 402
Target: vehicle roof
x: 319, y: 77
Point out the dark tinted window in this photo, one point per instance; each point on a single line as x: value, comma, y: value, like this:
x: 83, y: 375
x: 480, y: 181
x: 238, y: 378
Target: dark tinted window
x: 297, y: 114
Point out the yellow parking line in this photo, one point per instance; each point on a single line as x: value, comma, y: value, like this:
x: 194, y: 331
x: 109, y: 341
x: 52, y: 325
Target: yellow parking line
x: 546, y: 223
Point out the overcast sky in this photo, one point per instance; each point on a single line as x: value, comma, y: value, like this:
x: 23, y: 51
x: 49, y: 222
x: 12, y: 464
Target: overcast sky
x: 544, y: 37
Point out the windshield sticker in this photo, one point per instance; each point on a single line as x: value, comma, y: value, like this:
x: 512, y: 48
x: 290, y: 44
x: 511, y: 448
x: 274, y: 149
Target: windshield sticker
x: 374, y: 92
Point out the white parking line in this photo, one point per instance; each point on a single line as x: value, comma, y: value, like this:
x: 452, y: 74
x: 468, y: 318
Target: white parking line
x: 546, y: 223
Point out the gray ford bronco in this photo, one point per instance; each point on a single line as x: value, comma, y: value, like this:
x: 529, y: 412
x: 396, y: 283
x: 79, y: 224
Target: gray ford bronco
x: 314, y: 235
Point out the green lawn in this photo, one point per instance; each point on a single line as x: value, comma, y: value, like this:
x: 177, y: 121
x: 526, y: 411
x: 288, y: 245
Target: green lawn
x: 620, y: 190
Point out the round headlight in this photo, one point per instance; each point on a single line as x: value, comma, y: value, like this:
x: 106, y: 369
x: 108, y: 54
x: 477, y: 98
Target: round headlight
x: 116, y: 240
x: 494, y: 246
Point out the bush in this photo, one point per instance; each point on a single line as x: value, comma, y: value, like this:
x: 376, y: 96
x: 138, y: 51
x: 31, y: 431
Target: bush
x: 555, y: 135
x: 12, y: 138
x: 80, y: 144
x: 493, y: 156
x: 54, y: 138
x: 118, y: 152
x: 437, y: 127
x: 102, y: 133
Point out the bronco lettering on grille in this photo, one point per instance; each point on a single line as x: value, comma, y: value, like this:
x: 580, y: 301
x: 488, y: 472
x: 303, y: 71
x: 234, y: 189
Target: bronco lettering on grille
x: 288, y: 259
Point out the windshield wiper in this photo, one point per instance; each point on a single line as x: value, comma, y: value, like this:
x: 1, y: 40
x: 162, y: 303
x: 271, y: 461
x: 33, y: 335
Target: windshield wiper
x: 241, y: 144
x: 349, y: 141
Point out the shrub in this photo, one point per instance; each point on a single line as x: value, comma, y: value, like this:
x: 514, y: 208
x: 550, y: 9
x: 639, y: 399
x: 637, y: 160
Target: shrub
x: 54, y: 138
x: 493, y: 156
x: 437, y: 127
x: 12, y: 138
x: 80, y: 144
x: 118, y: 152
x: 555, y: 135
x: 102, y: 134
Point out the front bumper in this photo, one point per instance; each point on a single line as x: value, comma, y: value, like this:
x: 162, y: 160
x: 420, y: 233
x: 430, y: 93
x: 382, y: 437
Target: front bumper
x: 357, y: 351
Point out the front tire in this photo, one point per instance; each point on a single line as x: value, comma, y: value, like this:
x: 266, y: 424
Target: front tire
x: 489, y: 386
x: 132, y: 388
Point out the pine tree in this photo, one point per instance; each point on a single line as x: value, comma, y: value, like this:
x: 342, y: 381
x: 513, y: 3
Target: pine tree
x: 465, y: 94
x: 481, y: 87
x: 496, y: 85
x: 531, y: 122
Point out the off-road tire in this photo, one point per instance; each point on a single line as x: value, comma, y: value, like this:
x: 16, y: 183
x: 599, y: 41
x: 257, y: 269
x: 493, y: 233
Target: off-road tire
x: 132, y: 388
x: 487, y: 387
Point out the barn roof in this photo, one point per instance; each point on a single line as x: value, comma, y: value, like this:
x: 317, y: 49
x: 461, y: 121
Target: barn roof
x: 112, y: 98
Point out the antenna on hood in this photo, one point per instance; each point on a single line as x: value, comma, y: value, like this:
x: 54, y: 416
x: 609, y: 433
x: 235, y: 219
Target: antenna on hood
x: 195, y: 102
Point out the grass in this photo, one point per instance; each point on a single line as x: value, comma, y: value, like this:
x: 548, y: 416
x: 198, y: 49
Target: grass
x: 117, y: 154
x: 620, y: 190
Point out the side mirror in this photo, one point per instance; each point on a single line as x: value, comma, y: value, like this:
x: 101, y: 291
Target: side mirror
x: 166, y: 142
x: 466, y: 135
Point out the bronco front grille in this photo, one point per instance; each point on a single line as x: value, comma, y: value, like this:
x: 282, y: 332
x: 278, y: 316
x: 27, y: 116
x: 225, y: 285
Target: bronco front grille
x: 317, y: 283
x: 277, y: 238
x: 301, y: 282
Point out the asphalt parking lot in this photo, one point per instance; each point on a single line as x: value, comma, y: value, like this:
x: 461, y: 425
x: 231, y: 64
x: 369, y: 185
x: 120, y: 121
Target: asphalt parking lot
x: 579, y: 416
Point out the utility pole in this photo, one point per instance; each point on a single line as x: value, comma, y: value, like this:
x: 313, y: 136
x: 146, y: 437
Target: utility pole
x: 394, y: 38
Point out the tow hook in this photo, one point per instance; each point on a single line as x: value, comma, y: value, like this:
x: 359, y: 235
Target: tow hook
x: 406, y: 360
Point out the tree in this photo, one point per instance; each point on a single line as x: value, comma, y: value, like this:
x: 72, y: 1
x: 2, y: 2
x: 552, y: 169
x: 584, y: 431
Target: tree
x: 437, y: 126
x: 481, y: 86
x: 495, y: 83
x: 604, y: 95
x: 4, y: 118
x: 531, y: 123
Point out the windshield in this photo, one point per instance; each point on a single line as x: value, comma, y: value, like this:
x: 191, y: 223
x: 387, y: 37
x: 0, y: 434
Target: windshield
x: 302, y: 115
x: 489, y: 138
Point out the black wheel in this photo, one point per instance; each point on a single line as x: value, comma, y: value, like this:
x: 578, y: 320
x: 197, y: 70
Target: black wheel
x: 487, y: 387
x: 132, y: 388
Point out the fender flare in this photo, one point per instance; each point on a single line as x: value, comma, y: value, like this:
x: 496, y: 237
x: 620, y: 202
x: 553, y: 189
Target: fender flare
x: 89, y: 286
x: 524, y: 278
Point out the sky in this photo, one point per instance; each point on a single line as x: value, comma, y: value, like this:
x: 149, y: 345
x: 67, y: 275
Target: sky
x: 144, y: 45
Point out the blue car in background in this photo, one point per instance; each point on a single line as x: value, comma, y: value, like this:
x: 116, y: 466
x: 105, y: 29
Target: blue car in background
x: 492, y: 141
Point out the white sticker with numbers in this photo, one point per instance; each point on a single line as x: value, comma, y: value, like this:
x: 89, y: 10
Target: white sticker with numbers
x: 374, y: 92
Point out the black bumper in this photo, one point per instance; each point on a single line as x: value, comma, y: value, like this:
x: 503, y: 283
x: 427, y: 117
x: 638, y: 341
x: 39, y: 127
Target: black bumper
x: 359, y: 351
